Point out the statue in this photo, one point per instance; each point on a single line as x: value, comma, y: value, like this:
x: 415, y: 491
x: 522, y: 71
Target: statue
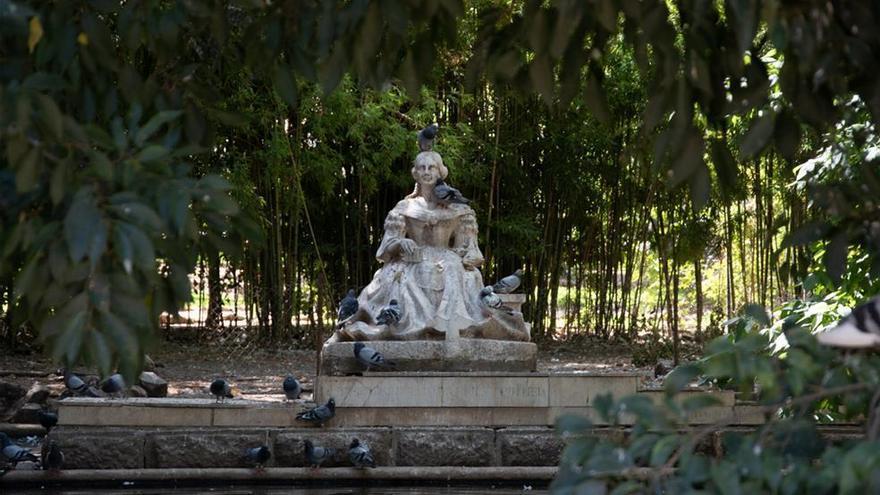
x: 430, y: 269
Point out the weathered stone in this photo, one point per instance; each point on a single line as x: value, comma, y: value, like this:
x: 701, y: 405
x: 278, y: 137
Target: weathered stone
x: 38, y: 394
x: 82, y: 411
x: 149, y: 364
x: 137, y: 391
x: 445, y: 447
x: 153, y: 384
x: 27, y: 413
x: 580, y: 390
x: 290, y: 445
x: 11, y: 392
x: 100, y: 449
x: 494, y: 391
x: 205, y: 449
x: 529, y: 447
x: 440, y: 416
x: 337, y: 358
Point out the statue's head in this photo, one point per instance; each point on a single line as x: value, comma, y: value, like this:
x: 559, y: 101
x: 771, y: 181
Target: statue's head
x: 429, y: 165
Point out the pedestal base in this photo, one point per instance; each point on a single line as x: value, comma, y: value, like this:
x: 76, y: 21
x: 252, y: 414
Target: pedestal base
x: 337, y: 358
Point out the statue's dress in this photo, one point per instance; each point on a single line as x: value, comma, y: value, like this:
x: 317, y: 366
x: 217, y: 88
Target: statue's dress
x: 437, y: 286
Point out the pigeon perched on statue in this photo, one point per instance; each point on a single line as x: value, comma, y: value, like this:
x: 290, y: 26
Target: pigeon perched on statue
x: 509, y: 283
x: 390, y: 315
x: 427, y: 136
x: 221, y: 390
x: 77, y: 387
x: 319, y: 415
x: 491, y: 300
x: 13, y: 453
x: 448, y: 194
x: 258, y: 456
x: 48, y: 419
x: 292, y: 388
x: 316, y: 455
x: 348, y: 306
x: 860, y: 329
x: 370, y: 357
x: 360, y: 456
x: 51, y: 456
x: 113, y: 385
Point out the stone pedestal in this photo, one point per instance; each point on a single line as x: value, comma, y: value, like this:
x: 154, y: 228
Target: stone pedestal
x: 513, y: 301
x: 337, y: 358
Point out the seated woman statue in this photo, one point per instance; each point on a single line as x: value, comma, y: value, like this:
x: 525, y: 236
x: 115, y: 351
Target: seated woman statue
x: 430, y: 266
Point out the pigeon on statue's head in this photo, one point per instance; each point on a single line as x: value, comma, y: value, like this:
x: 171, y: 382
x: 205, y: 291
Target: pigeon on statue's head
x: 861, y: 329
x: 427, y: 136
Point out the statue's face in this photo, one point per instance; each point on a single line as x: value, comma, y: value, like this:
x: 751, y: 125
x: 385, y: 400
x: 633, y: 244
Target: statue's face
x: 426, y: 173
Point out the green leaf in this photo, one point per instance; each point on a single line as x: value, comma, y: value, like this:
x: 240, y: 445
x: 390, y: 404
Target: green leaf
x: 81, y: 225
x: 663, y: 449
x: 541, y: 76
x: 101, y: 164
x: 726, y: 169
x: 695, y: 402
x: 123, y: 248
x: 787, y: 135
x: 144, y: 254
x: 680, y: 377
x: 836, y: 256
x: 153, y: 125
x: 152, y: 153
x: 52, y: 116
x: 757, y: 313
x: 573, y: 424
x: 28, y: 171
x: 100, y: 352
x: 44, y: 81
x: 69, y: 341
x: 805, y: 234
x: 285, y: 84
x: 758, y: 136
x: 594, y: 97
x: 137, y: 213
x: 687, y: 162
x: 58, y: 183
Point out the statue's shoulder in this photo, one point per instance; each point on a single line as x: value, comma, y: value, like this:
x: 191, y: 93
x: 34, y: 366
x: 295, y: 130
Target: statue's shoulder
x: 459, y: 210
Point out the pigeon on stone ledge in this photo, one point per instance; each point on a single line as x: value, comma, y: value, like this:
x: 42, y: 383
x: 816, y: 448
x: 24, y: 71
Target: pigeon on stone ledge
x: 448, y: 194
x: 292, y: 388
x: 48, y: 419
x: 390, y: 315
x: 509, y: 283
x: 258, y: 456
x: 320, y: 414
x: 491, y: 300
x: 360, y: 456
x: 861, y: 329
x: 113, y: 385
x: 221, y: 390
x: 348, y: 306
x: 370, y: 357
x: 13, y: 453
x: 316, y: 455
x: 52, y: 457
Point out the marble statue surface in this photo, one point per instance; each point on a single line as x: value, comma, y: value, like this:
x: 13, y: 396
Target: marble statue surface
x: 430, y: 264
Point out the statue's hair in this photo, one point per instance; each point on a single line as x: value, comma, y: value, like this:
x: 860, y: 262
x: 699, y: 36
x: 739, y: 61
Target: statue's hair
x: 428, y: 157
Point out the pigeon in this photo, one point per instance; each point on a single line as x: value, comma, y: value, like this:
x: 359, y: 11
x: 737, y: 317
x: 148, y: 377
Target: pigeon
x: 448, y: 194
x: 258, y: 455
x: 220, y: 390
x: 491, y: 300
x: 860, y: 329
x: 13, y: 453
x: 74, y: 383
x: 292, y: 388
x: 114, y: 384
x: 320, y: 414
x: 317, y: 455
x: 48, y: 419
x: 348, y: 306
x: 427, y: 136
x: 360, y: 456
x: 370, y: 357
x: 509, y: 283
x: 390, y: 315
x: 52, y: 457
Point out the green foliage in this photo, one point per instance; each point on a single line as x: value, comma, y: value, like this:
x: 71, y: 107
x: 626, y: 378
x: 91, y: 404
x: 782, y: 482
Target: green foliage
x: 796, y: 390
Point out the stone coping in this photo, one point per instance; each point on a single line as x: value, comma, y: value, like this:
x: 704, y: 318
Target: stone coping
x: 181, y: 402
x: 530, y: 374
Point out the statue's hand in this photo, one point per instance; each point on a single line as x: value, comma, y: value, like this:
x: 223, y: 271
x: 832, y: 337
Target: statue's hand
x: 407, y: 246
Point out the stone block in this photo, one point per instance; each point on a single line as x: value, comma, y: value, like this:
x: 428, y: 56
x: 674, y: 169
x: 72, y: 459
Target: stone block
x: 290, y: 445
x: 580, y: 390
x: 154, y: 385
x: 381, y: 391
x: 496, y: 391
x: 205, y: 449
x: 100, y: 448
x: 724, y: 397
x: 440, y: 416
x: 529, y: 446
x: 271, y: 414
x: 445, y: 447
x: 337, y: 358
x: 76, y: 415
